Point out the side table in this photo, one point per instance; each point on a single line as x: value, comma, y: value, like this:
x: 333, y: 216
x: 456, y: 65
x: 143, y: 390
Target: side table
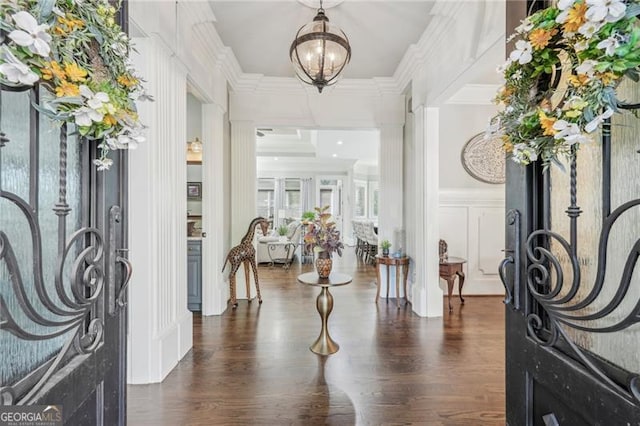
x: 397, y: 262
x: 449, y: 269
x: 324, y: 344
x: 288, y: 246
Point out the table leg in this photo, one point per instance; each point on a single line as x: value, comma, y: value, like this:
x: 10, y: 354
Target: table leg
x: 406, y: 273
x: 450, y: 280
x: 387, y: 283
x: 379, y: 283
x: 398, y: 286
x: 460, y: 284
x: 324, y: 344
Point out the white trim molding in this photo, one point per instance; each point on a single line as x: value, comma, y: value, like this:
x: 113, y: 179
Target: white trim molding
x: 472, y: 223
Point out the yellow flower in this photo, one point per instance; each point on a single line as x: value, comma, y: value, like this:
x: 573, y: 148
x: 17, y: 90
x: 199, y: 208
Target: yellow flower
x: 52, y: 70
x: 127, y: 80
x: 58, y: 30
x: 67, y: 89
x: 507, y: 145
x: 575, y: 18
x: 547, y: 123
x: 607, y: 77
x: 69, y: 24
x: 74, y: 72
x: 578, y: 80
x: 573, y: 113
x: 109, y: 120
x: 540, y: 38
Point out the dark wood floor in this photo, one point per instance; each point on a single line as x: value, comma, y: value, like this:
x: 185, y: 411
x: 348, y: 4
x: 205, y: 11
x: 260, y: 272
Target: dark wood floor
x: 252, y: 366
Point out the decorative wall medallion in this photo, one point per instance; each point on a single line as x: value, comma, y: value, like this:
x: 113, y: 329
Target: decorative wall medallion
x: 484, y: 159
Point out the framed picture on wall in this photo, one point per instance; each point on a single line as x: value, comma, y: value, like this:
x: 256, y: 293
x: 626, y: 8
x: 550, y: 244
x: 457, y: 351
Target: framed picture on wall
x: 194, y: 190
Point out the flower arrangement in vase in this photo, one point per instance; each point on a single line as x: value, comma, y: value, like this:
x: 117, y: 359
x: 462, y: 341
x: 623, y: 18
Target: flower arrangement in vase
x: 324, y: 238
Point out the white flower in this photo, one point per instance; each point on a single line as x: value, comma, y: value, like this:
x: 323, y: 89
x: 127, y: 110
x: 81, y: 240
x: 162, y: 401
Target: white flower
x: 593, y: 124
x: 523, y: 153
x: 103, y: 163
x: 609, y: 44
x: 128, y: 140
x: 587, y: 68
x: 502, y: 68
x: 94, y: 101
x: 517, y: 75
x: 589, y: 29
x: 86, y: 116
x: 562, y: 17
x: 581, y: 45
x: 525, y: 26
x: 522, y: 53
x: 31, y: 34
x: 15, y: 71
x: 565, y: 4
x: 605, y: 10
x: 570, y: 132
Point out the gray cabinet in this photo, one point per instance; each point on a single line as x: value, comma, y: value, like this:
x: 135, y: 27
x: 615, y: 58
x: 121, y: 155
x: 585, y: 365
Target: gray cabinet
x: 194, y: 275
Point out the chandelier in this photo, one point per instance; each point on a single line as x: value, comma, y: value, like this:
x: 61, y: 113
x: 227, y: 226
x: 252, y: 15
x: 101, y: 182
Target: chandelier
x: 320, y: 52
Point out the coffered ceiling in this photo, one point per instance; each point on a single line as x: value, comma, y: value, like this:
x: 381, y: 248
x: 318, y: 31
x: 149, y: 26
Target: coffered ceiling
x: 380, y: 32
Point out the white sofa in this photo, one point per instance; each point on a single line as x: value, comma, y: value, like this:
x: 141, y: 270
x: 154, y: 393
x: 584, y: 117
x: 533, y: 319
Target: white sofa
x: 279, y: 251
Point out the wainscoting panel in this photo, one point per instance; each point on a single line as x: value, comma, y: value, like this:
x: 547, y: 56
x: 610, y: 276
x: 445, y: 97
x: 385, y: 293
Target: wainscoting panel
x: 472, y: 223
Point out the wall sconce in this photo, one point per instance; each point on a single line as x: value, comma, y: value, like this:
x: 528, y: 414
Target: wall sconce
x: 195, y: 146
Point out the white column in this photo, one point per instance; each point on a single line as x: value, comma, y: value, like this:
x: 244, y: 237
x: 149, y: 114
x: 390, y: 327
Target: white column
x: 160, y: 326
x: 427, y: 294
x: 243, y: 191
x: 390, y: 213
x: 214, y: 294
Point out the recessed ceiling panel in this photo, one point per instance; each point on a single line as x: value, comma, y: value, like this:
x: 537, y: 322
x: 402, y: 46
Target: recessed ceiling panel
x: 260, y: 32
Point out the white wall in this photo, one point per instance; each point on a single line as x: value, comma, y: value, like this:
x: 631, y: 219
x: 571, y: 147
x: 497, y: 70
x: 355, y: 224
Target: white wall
x: 172, y: 54
x: 471, y: 212
x: 160, y: 328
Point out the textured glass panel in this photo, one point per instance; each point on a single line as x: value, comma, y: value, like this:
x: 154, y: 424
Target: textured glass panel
x: 618, y: 347
x: 24, y: 355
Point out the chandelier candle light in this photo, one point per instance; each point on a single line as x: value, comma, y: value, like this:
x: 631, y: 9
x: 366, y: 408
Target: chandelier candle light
x: 320, y: 52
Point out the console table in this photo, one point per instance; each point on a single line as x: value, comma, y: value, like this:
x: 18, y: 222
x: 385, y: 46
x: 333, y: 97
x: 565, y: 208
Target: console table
x: 397, y: 262
x: 324, y: 344
x: 450, y: 268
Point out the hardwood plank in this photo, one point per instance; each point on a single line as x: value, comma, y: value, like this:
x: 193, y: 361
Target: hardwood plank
x: 253, y: 366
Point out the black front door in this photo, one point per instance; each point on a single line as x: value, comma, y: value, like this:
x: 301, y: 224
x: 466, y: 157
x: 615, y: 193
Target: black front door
x: 63, y: 268
x: 573, y: 289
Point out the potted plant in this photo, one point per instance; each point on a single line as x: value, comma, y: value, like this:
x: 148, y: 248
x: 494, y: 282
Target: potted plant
x: 324, y: 238
x: 308, y: 217
x: 283, y: 230
x: 385, y: 245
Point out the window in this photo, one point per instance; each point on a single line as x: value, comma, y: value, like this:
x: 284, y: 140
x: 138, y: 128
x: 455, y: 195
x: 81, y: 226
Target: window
x: 292, y: 199
x: 373, y: 200
x: 360, y: 204
x: 266, y: 198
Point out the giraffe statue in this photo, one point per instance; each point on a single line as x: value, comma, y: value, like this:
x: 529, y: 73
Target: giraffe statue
x: 245, y: 253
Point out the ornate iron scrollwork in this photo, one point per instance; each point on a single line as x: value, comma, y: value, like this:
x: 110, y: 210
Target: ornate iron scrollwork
x: 562, y: 307
x: 78, y: 281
